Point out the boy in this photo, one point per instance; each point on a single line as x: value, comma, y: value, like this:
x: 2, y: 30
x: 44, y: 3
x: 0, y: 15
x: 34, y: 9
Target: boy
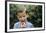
x: 22, y: 16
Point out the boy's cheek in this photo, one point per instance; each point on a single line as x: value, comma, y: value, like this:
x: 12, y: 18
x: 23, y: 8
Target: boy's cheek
x: 18, y: 18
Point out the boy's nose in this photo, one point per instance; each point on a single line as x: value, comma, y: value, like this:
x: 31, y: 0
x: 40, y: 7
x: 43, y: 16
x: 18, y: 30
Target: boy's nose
x: 22, y: 18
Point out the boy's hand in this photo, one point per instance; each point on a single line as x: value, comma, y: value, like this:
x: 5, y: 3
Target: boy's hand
x: 23, y: 25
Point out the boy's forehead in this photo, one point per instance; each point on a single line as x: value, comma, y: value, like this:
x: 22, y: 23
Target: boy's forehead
x: 23, y: 13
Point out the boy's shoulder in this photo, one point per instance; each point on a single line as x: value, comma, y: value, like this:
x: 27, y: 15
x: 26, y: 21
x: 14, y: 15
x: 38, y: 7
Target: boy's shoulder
x: 29, y: 23
x: 17, y: 23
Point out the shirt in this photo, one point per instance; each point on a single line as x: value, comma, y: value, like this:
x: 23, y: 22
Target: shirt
x: 28, y: 25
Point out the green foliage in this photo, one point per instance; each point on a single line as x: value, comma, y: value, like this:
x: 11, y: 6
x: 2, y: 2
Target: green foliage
x: 35, y: 14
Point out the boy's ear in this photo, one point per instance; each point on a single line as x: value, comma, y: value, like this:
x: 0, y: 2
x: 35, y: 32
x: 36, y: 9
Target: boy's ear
x: 16, y: 15
x: 27, y: 15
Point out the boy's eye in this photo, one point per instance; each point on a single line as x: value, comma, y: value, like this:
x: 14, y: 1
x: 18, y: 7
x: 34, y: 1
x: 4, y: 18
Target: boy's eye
x: 23, y: 16
x: 19, y: 17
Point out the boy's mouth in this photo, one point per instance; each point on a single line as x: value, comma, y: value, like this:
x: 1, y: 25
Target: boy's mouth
x: 23, y: 21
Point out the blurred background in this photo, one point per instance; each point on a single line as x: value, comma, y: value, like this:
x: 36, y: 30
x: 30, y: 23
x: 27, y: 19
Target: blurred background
x: 35, y: 14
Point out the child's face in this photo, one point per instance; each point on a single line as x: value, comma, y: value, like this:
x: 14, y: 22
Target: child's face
x: 22, y: 16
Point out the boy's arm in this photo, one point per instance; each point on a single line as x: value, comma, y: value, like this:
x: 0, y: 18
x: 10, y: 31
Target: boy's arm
x: 15, y: 26
x: 30, y: 25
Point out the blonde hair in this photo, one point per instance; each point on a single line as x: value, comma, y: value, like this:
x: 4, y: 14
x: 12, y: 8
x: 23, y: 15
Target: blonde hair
x: 21, y: 10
